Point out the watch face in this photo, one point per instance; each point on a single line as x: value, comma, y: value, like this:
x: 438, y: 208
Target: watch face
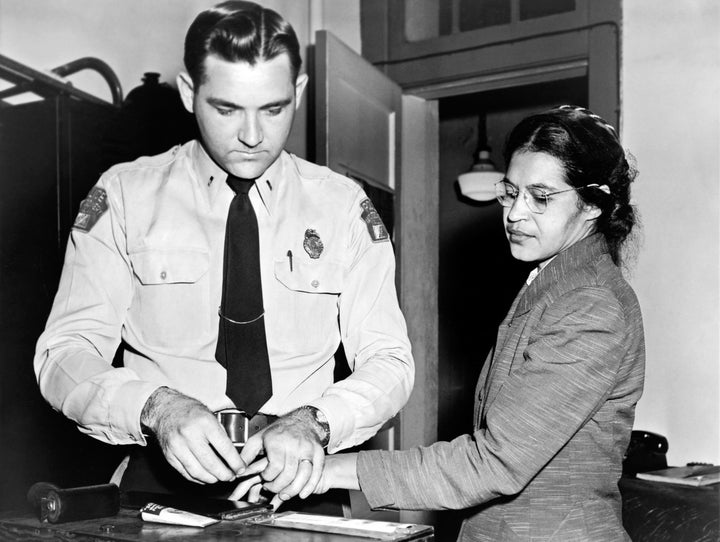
x: 322, y: 421
x: 320, y: 416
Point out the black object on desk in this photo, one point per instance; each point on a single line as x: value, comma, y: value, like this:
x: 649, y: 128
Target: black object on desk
x: 663, y: 512
x: 57, y: 505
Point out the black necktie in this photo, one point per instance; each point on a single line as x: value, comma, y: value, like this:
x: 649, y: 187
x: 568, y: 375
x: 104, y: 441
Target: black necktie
x: 241, y: 346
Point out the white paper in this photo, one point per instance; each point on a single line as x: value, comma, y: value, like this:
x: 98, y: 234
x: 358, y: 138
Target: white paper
x: 385, y: 527
x: 172, y: 516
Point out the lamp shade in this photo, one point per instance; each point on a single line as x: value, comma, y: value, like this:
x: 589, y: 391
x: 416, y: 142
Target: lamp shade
x: 479, y: 183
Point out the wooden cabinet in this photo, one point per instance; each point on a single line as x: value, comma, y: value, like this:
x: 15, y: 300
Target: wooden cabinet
x: 49, y: 159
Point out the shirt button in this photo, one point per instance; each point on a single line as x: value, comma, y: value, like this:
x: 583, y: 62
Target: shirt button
x: 315, y: 284
x: 163, y: 274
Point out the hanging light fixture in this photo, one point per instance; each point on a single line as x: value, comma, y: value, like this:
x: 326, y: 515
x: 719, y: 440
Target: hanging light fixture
x: 479, y: 183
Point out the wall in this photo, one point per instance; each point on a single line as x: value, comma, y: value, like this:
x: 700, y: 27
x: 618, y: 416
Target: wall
x: 670, y: 90
x: 135, y: 36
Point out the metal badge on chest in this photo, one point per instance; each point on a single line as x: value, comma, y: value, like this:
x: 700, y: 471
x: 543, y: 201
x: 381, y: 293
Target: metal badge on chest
x: 312, y: 244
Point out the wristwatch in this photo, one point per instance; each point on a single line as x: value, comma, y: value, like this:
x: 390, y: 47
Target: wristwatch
x: 322, y: 422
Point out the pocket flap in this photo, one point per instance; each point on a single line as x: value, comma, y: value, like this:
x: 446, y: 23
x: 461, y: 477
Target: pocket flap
x: 311, y: 277
x: 168, y: 266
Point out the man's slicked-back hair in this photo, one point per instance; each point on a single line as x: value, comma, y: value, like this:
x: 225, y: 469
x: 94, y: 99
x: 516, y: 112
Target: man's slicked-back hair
x: 239, y: 31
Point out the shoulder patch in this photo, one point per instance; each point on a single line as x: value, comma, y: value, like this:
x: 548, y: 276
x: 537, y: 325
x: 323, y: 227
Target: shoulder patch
x: 374, y: 223
x: 91, y: 209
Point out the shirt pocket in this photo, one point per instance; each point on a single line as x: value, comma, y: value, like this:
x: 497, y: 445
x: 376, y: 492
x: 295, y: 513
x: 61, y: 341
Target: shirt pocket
x: 312, y: 277
x: 303, y: 318
x: 171, y: 306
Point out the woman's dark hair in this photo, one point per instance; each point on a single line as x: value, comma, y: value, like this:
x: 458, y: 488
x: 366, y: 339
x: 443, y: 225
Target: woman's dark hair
x: 239, y: 31
x: 590, y: 152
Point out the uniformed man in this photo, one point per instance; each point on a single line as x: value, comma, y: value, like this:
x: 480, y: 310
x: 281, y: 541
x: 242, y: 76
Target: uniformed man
x: 145, y: 265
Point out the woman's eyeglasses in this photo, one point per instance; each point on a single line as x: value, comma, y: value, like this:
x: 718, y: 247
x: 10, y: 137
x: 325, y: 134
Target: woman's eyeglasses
x: 535, y: 198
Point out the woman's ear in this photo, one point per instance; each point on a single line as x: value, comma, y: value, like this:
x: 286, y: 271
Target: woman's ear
x: 593, y: 211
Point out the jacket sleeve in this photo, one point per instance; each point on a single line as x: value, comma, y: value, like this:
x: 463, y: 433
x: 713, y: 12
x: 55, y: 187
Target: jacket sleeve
x: 73, y: 358
x: 374, y: 337
x: 554, y: 387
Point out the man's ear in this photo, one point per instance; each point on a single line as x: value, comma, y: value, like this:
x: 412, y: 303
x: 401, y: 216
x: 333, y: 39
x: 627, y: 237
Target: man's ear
x: 187, y: 90
x: 300, y: 85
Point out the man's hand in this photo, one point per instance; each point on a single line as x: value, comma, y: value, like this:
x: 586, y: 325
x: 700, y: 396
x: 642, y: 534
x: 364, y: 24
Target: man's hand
x: 192, y: 439
x: 294, y: 457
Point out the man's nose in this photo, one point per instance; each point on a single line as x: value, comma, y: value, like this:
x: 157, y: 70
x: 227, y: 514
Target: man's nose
x: 250, y: 132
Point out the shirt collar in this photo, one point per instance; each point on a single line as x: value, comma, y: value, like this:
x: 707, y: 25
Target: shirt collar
x: 535, y: 272
x: 213, y: 177
x: 210, y: 175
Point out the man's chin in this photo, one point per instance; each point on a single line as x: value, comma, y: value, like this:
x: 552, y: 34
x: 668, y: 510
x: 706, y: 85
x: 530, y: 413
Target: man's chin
x: 248, y: 171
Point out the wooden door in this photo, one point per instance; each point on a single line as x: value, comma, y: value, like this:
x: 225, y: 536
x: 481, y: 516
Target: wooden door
x: 368, y: 130
x: 357, y: 133
x: 358, y: 115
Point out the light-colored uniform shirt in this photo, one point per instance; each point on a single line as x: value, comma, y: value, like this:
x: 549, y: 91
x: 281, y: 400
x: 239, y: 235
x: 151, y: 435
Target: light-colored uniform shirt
x: 144, y: 263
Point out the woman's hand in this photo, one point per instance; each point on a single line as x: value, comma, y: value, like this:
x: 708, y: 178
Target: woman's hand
x: 339, y: 471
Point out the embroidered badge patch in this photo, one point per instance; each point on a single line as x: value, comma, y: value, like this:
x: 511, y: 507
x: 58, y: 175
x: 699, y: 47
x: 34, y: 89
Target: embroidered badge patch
x: 312, y: 244
x: 91, y: 209
x: 374, y: 223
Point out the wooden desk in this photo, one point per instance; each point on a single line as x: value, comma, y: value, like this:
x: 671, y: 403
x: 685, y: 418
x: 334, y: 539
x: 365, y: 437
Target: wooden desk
x: 662, y: 512
x: 126, y: 526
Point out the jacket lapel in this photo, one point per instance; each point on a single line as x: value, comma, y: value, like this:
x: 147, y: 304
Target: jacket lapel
x: 511, y: 330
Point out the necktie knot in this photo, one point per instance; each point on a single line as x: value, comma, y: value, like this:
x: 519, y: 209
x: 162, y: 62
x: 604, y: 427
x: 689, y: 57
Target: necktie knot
x: 240, y: 186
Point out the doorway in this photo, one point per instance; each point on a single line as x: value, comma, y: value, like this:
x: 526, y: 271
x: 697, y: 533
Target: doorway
x: 478, y: 278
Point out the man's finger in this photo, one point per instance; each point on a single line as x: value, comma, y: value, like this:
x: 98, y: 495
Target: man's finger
x: 280, y: 472
x: 182, y: 458
x: 304, y: 471
x: 254, y: 495
x: 278, y: 463
x: 209, y: 465
x: 252, y: 448
x: 276, y: 503
x: 178, y: 466
x: 257, y: 467
x: 315, y: 475
x: 224, y: 448
x: 243, y: 487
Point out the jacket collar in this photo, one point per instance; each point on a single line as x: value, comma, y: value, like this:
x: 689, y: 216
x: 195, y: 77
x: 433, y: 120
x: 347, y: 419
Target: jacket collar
x: 578, y: 255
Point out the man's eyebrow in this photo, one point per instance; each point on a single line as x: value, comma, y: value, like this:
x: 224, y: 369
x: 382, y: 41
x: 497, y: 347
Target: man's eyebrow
x: 278, y: 103
x: 219, y: 102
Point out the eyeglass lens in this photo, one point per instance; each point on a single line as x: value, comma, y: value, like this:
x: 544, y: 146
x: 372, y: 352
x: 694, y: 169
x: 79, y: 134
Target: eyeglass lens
x: 536, y: 200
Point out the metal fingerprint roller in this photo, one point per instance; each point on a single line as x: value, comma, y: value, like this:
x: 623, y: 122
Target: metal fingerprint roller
x: 58, y: 505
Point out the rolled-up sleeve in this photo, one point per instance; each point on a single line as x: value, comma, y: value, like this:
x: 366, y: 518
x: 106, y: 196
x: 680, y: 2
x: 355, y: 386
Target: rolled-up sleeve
x: 73, y: 359
x: 555, y: 385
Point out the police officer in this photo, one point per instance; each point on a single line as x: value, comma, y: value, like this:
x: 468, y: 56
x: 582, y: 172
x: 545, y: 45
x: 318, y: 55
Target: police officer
x: 145, y: 265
